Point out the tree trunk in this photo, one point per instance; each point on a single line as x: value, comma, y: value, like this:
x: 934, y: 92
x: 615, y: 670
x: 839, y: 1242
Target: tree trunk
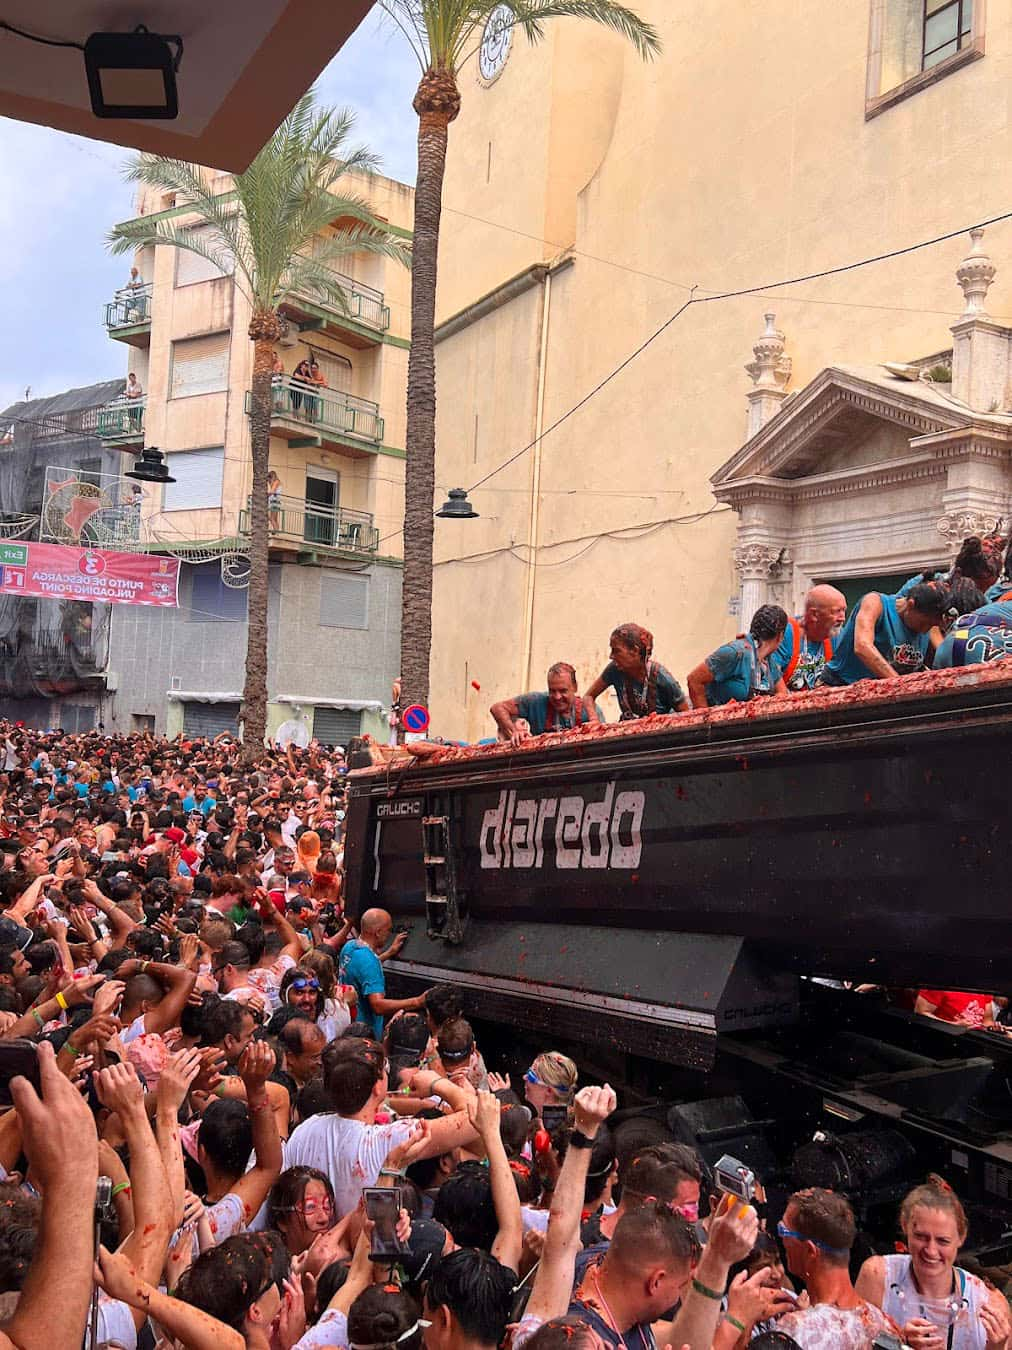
x: 254, y: 698
x: 437, y: 103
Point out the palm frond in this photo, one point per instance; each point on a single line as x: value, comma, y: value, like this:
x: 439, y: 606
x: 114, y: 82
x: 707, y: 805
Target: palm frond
x: 286, y: 199
x: 531, y: 14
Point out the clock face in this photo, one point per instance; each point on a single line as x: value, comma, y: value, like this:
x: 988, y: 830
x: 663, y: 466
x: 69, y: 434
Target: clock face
x: 495, y: 43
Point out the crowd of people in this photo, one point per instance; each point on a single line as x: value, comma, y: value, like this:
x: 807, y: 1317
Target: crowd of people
x: 202, y: 1072
x: 935, y: 621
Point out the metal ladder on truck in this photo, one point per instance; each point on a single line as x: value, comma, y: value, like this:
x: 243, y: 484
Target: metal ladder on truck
x: 445, y: 912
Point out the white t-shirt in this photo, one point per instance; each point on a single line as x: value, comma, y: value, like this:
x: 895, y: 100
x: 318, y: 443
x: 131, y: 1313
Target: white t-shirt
x: 825, y: 1327
x: 330, y: 1330
x: 135, y: 1029
x: 349, y: 1152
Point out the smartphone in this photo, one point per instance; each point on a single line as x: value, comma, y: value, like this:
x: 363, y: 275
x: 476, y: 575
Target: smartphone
x: 110, y: 855
x: 383, y: 1206
x: 554, y: 1118
x: 18, y: 1058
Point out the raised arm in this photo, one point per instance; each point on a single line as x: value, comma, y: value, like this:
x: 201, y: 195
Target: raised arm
x: 732, y: 1235
x: 190, y: 1326
x: 553, y: 1284
x: 178, y: 984
x: 255, y: 1067
x: 62, y: 1150
x: 483, y: 1111
x: 120, y: 1090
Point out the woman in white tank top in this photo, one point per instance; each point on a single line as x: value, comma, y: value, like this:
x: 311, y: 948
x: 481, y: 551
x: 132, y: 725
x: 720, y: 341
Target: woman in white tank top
x: 938, y: 1305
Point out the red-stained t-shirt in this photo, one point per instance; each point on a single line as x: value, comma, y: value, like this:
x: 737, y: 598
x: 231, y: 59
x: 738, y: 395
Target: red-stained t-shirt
x: 953, y: 1006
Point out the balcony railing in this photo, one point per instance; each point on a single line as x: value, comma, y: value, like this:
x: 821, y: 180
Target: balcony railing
x: 130, y: 307
x: 51, y: 654
x: 325, y: 411
x: 295, y: 520
x: 122, y: 421
x: 363, y: 304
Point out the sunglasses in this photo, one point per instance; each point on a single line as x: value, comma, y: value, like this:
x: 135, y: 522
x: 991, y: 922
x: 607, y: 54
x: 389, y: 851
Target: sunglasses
x: 785, y: 1232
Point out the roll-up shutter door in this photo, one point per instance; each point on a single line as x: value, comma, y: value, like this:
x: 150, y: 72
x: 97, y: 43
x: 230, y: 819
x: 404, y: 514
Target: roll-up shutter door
x: 336, y: 726
x: 210, y: 719
x: 199, y: 365
x: 344, y: 601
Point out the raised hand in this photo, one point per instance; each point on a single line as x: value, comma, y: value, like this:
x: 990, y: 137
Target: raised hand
x: 119, y: 1089
x: 177, y: 1077
x: 591, y: 1108
x: 58, y: 1129
x: 256, y: 1065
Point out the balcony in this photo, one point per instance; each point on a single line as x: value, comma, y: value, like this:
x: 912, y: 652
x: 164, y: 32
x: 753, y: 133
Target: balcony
x: 361, y: 323
x: 309, y: 416
x: 308, y: 527
x: 121, y: 425
x: 50, y: 662
x: 128, y: 315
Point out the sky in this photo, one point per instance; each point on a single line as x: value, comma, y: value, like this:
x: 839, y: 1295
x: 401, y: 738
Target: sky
x: 63, y: 193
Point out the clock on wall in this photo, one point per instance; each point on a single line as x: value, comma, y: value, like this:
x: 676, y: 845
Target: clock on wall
x: 495, y: 43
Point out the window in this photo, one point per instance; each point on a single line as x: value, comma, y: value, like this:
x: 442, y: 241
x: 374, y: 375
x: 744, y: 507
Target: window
x: 947, y: 26
x: 142, y: 722
x: 344, y: 601
x: 914, y: 43
x: 210, y: 599
x: 199, y: 366
x: 76, y: 718
x: 198, y: 475
x: 192, y: 267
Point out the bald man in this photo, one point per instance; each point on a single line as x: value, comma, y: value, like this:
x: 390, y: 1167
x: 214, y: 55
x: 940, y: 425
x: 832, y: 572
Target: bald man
x: 361, y: 964
x: 810, y: 640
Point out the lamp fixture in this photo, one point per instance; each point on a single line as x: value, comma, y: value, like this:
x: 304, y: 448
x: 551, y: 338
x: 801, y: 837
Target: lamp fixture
x: 457, y: 507
x: 150, y: 467
x: 129, y: 74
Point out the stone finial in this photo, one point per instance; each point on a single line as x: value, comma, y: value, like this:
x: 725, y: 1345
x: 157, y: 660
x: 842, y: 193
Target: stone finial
x: 771, y: 369
x: 975, y: 274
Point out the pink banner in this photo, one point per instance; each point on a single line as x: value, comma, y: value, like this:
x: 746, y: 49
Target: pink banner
x: 55, y: 572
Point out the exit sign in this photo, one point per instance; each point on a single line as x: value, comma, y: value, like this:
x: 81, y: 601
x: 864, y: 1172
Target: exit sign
x: 14, y: 553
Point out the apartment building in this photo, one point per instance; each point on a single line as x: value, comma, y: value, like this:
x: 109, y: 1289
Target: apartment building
x: 335, y: 546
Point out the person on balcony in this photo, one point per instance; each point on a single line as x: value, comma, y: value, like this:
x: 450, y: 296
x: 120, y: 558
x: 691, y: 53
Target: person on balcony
x: 133, y: 393
x: 314, y: 406
x: 301, y: 376
x: 277, y: 382
x: 273, y: 502
x: 642, y: 685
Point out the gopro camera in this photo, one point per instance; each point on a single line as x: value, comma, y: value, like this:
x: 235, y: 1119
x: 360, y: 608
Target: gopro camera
x: 733, y: 1178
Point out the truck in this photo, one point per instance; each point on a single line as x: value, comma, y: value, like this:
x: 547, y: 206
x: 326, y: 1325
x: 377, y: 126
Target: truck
x: 688, y: 904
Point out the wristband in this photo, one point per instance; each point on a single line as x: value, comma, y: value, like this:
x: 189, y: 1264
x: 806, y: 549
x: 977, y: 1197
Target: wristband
x: 739, y: 1326
x: 219, y: 1091
x: 38, y: 1017
x: 577, y: 1139
x: 706, y: 1291
x: 122, y: 1186
x: 71, y: 1049
x: 61, y: 1000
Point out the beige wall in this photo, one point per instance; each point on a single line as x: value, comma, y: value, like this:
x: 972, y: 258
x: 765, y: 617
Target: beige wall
x: 741, y: 157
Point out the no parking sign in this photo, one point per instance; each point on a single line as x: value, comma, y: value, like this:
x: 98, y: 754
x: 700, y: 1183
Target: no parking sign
x: 415, y: 718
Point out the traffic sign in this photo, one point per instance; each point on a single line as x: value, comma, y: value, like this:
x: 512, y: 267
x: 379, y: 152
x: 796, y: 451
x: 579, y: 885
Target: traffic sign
x: 415, y: 718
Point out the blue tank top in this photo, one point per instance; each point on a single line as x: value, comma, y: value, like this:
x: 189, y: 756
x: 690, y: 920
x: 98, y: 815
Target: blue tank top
x: 903, y: 649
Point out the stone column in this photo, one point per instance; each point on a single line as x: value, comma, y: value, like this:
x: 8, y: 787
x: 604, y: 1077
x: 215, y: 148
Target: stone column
x: 980, y: 346
x: 758, y: 564
x: 770, y: 372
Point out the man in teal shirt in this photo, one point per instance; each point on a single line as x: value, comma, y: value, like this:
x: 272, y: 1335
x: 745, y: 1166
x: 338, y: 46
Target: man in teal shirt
x: 361, y: 965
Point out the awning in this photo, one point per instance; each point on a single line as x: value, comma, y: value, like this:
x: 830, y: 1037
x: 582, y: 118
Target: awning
x: 311, y: 701
x: 200, y: 696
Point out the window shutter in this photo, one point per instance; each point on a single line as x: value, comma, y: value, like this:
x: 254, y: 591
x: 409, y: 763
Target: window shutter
x: 336, y: 726
x: 336, y: 370
x: 191, y: 267
x: 199, y: 365
x: 344, y: 601
x: 198, y: 475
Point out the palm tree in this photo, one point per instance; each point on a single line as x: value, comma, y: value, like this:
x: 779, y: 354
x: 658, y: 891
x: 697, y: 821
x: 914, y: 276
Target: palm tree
x: 261, y: 231
x: 444, y: 34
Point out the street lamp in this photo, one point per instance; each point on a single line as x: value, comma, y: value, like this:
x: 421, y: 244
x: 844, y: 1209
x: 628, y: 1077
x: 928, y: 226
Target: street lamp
x: 457, y: 507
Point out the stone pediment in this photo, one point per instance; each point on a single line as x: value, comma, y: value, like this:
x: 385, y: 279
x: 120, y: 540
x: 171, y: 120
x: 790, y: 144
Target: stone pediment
x: 855, y: 426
